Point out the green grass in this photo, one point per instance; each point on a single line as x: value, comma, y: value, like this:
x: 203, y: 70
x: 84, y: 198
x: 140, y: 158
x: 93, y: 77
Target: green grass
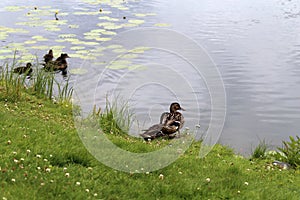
x: 59, y: 167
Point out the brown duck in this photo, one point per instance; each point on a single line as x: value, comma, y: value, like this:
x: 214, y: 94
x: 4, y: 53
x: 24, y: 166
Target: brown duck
x: 60, y: 64
x: 49, y: 56
x: 27, y: 70
x: 170, y: 123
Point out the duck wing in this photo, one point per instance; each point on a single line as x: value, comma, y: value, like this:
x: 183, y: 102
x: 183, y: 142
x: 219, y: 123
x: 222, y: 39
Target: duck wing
x: 164, y: 117
x: 152, y: 132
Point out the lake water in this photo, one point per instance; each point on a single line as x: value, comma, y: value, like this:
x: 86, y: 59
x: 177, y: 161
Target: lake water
x: 254, y: 44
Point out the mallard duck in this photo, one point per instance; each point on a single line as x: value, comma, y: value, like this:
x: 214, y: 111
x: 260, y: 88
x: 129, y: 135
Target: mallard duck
x: 59, y: 64
x: 24, y: 69
x: 49, y: 56
x: 170, y: 123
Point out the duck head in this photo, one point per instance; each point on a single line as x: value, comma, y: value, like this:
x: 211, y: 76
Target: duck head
x: 174, y: 107
x: 64, y: 56
x: 28, y: 65
x: 50, y: 52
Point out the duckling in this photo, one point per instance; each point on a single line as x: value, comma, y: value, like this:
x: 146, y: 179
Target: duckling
x: 59, y: 64
x: 24, y: 69
x: 49, y: 56
x: 170, y: 123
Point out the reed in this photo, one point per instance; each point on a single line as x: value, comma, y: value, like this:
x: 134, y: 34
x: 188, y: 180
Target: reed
x: 41, y: 83
x: 117, y: 116
x: 65, y: 91
x: 12, y: 84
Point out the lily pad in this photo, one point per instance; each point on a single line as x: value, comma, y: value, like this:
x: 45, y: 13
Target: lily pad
x: 136, y: 21
x: 30, y: 42
x: 119, y: 50
x: 139, y: 49
x: 91, y: 43
x: 109, y: 25
x: 78, y: 71
x: 103, y: 39
x: 137, y: 67
x: 119, y: 64
x: 109, y: 18
x: 39, y: 38
x: 162, y: 25
x: 14, y: 8
x: 41, y: 47
x: 67, y: 36
x: 129, y: 56
x: 3, y: 51
x: 114, y: 46
x: 92, y: 34
x: 109, y: 33
x: 76, y: 48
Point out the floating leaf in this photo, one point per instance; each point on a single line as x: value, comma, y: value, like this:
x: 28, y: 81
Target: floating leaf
x: 129, y: 25
x: 76, y: 48
x: 3, y: 57
x: 109, y: 33
x: 139, y: 49
x: 109, y: 25
x: 91, y: 43
x: 97, y: 30
x: 14, y: 8
x: 39, y: 38
x: 119, y: 50
x: 78, y: 71
x: 136, y: 21
x: 74, y: 55
x: 67, y: 36
x: 102, y: 39
x: 129, y: 56
x: 119, y: 64
x: 98, y: 49
x: 114, y: 46
x: 30, y: 42
x: 135, y: 67
x: 3, y: 51
x: 92, y: 34
x: 162, y: 25
x: 109, y: 18
x: 42, y: 47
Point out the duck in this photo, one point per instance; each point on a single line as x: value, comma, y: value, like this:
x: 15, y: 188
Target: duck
x: 170, y: 123
x: 49, y: 56
x: 60, y: 64
x: 24, y: 69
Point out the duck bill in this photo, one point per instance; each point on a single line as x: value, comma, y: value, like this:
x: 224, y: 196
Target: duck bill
x: 182, y: 109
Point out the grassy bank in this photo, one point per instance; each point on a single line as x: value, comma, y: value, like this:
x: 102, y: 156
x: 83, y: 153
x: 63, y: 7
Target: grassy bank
x: 42, y: 157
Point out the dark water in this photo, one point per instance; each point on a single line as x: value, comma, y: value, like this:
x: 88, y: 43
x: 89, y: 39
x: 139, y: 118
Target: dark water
x: 254, y: 44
